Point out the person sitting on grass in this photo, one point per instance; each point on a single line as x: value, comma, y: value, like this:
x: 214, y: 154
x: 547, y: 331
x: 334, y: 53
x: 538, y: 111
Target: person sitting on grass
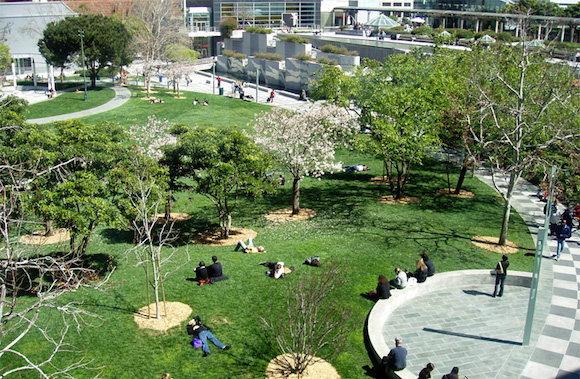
x: 195, y: 102
x: 215, y: 272
x: 205, y: 102
x: 196, y: 328
x: 429, y: 263
x: 383, y: 289
x: 276, y: 269
x: 400, y: 281
x: 201, y: 274
x: 356, y: 168
x: 421, y: 273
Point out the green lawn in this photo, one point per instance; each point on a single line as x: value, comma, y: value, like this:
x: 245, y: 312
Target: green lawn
x: 70, y: 102
x: 352, y: 227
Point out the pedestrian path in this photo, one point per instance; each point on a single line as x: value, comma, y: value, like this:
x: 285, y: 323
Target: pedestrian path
x: 557, y: 350
x: 122, y: 95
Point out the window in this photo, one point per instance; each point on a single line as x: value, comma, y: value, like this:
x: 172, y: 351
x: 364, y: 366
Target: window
x: 407, y: 4
x: 397, y: 4
x: 386, y: 4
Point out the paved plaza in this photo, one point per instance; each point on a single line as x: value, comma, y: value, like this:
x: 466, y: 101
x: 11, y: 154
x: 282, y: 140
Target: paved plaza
x: 466, y: 327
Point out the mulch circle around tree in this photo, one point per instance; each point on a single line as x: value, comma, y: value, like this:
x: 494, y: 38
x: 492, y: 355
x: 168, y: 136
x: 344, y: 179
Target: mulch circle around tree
x: 212, y: 237
x: 491, y: 244
x: 463, y: 194
x: 39, y: 238
x: 320, y: 369
x: 176, y: 313
x: 284, y: 215
x: 173, y: 217
x: 145, y: 91
x: 380, y: 180
x: 389, y: 199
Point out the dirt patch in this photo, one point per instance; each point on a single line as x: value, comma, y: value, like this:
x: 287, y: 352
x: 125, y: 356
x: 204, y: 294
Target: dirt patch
x: 173, y: 217
x: 491, y: 244
x: 320, y: 369
x: 405, y: 200
x: 179, y: 97
x: 212, y: 237
x: 463, y: 194
x: 380, y: 180
x: 176, y: 314
x: 38, y: 237
x: 284, y: 215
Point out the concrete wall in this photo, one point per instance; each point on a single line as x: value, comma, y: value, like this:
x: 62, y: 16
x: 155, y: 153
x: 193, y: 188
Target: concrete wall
x: 291, y: 49
x: 232, y: 66
x: 299, y: 74
x: 347, y: 62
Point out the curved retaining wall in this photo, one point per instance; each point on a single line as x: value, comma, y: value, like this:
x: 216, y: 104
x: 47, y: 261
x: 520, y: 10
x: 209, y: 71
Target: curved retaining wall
x: 383, y: 309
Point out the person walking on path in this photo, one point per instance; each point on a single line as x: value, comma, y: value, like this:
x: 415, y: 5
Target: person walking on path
x: 563, y: 232
x: 500, y: 275
x: 396, y: 360
x: 196, y: 328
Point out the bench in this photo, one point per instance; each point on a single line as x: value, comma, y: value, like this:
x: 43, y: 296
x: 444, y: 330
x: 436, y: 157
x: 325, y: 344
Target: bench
x: 383, y: 309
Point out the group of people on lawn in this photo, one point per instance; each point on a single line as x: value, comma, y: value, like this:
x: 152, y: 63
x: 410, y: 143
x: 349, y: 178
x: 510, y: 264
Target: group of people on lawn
x: 425, y: 268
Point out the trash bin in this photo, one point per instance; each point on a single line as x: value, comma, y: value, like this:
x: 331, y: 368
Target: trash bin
x: 221, y: 91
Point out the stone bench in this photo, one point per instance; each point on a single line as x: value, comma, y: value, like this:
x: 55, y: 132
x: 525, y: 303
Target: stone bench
x: 383, y: 309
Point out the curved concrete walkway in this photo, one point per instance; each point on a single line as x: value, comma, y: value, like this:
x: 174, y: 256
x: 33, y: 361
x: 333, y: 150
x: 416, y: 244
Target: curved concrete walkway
x: 122, y: 95
x: 465, y: 327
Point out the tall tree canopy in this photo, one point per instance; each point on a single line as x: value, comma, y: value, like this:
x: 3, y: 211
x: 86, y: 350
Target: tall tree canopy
x: 523, y: 106
x: 398, y: 103
x: 105, y: 43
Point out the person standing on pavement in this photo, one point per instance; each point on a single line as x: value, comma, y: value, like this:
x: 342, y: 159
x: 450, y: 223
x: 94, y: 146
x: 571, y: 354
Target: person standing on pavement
x: 563, y: 232
x: 396, y: 360
x: 500, y: 275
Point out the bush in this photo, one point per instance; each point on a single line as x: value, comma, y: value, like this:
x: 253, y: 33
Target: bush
x: 303, y: 57
x: 330, y: 62
x: 258, y: 30
x: 227, y: 25
x: 233, y: 54
x: 397, y: 29
x: 295, y: 39
x: 337, y: 50
x: 462, y: 33
x: 504, y: 36
x: 269, y: 56
x: 422, y: 30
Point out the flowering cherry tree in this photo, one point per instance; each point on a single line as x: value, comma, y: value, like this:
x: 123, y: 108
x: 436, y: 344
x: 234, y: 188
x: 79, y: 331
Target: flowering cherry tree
x: 304, y: 142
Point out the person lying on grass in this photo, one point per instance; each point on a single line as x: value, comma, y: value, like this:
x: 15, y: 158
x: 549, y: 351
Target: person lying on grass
x: 196, y: 328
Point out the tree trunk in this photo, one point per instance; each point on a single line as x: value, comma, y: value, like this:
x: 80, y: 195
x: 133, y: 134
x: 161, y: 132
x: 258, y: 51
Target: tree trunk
x: 461, y: 178
x: 168, y: 206
x: 93, y: 80
x: 507, y: 210
x: 49, y: 231
x: 296, y: 196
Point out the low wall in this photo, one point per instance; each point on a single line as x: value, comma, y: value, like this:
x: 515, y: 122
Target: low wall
x: 383, y: 309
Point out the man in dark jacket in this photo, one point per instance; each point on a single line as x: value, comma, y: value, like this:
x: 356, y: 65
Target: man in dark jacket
x: 429, y: 263
x: 196, y: 328
x: 563, y: 232
x: 453, y: 374
x: 500, y: 275
x: 215, y: 271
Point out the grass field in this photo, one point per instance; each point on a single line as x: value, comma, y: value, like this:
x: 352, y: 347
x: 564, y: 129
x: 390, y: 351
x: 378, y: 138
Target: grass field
x: 70, y: 102
x: 351, y: 227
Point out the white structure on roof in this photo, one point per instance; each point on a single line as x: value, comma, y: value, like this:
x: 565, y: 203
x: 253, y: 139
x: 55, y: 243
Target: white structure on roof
x: 23, y: 24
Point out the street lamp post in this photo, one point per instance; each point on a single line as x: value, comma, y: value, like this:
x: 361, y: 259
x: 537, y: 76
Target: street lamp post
x: 82, y: 34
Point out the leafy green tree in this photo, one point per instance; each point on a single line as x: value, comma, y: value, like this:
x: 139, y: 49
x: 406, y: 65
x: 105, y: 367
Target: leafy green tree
x: 572, y: 10
x: 74, y: 193
x: 533, y: 7
x: 105, y: 42
x: 523, y: 106
x: 5, y: 59
x: 223, y: 164
x: 227, y: 25
x: 398, y: 104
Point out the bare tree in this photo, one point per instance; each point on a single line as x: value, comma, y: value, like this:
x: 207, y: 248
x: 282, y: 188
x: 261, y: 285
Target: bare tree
x: 155, y: 25
x: 523, y: 107
x: 32, y: 285
x: 310, y: 325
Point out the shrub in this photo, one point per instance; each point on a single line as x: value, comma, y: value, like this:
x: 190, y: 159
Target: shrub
x: 504, y: 36
x: 294, y: 39
x: 422, y: 30
x: 397, y: 29
x: 462, y: 33
x: 269, y: 56
x: 233, y: 54
x: 303, y: 57
x: 337, y: 50
x: 227, y: 25
x: 256, y: 29
x: 330, y: 62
